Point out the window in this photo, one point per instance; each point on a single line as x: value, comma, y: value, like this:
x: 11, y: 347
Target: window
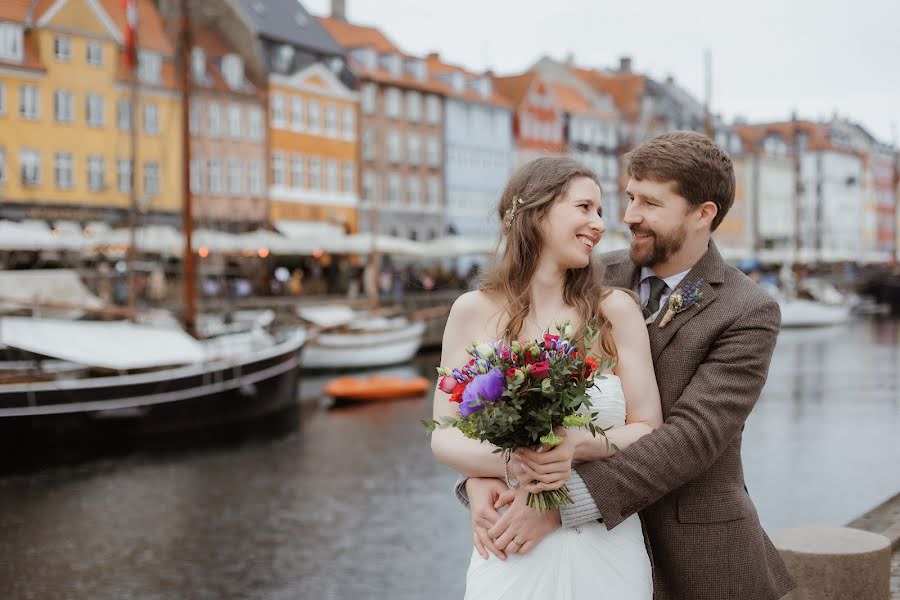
x: 151, y: 119
x: 331, y: 120
x: 415, y: 191
x: 2, y: 165
x: 315, y: 117
x: 94, y: 109
x: 62, y: 48
x: 94, y: 54
x: 214, y: 173
x: 62, y: 169
x: 255, y: 178
x: 214, y: 119
x: 369, y: 92
x: 28, y: 102
x: 315, y: 173
x: 11, y: 42
x: 393, y: 103
x: 62, y: 106
x: 235, y: 178
x: 277, y: 106
x: 349, y: 178
x: 234, y: 122
x: 349, y: 123
x: 96, y: 173
x: 196, y: 176
x: 414, y: 149
x: 369, y: 190
x: 297, y: 113
x: 332, y: 168
x: 233, y: 70
x: 368, y: 148
x: 123, y: 114
x: 151, y: 178
x: 394, y: 147
x: 194, y: 117
x: 434, y: 152
x: 297, y: 174
x: 434, y: 191
x: 278, y: 168
x: 123, y: 175
x: 255, y: 124
x: 149, y: 67
x: 433, y: 109
x: 30, y: 165
x: 413, y: 106
x: 394, y: 191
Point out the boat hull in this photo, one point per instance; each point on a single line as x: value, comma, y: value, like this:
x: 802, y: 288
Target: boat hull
x: 360, y: 350
x: 67, y: 417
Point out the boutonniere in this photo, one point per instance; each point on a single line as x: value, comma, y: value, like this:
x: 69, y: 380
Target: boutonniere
x: 681, y: 300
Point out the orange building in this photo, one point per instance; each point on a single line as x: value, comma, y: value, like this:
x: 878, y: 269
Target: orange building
x: 538, y: 118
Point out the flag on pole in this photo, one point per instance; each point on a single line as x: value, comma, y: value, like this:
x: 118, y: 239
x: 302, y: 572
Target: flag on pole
x: 129, y: 7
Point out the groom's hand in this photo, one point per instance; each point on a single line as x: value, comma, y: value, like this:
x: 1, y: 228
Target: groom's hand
x: 521, y: 528
x: 483, y: 493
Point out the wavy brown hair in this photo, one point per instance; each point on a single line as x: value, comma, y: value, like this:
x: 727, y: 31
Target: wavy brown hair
x: 541, y: 183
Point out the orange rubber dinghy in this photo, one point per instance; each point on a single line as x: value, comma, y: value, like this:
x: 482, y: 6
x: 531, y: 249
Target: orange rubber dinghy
x: 367, y: 389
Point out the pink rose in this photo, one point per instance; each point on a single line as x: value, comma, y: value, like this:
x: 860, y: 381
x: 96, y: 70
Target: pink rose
x: 447, y: 384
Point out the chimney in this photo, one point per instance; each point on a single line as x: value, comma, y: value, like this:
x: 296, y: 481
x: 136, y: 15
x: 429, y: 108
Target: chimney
x: 433, y: 56
x: 339, y: 9
x: 625, y: 64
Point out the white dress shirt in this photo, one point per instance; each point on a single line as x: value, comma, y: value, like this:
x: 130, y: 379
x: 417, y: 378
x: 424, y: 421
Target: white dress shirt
x: 671, y: 283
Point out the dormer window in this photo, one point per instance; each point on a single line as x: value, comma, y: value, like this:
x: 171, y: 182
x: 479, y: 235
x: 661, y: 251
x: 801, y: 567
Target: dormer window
x: 774, y: 145
x: 393, y: 63
x: 418, y: 69
x: 458, y: 82
x: 233, y: 70
x: 149, y: 67
x: 11, y: 42
x: 483, y: 87
x: 284, y: 58
x: 366, y: 56
x: 198, y: 64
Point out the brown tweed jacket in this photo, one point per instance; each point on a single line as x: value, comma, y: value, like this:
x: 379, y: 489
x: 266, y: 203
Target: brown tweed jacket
x: 686, y: 478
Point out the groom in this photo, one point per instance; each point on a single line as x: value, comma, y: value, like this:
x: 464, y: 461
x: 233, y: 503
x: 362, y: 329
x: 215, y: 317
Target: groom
x: 711, y: 356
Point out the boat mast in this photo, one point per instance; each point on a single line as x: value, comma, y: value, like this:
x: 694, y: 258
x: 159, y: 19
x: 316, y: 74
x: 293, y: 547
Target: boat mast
x: 130, y: 257
x: 187, y: 212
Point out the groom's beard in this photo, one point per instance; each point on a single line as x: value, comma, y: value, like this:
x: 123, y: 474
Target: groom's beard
x: 660, y: 248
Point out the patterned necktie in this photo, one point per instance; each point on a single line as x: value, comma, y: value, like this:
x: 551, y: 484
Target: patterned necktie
x: 657, y: 287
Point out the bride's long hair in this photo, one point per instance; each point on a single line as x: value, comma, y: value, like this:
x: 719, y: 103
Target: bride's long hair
x: 528, y: 197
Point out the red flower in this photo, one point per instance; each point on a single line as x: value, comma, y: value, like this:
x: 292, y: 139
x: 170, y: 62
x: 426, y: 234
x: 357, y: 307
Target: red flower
x: 456, y: 396
x: 528, y: 358
x: 511, y: 372
x: 539, y: 370
x: 447, y: 384
x: 550, y: 338
x: 590, y: 365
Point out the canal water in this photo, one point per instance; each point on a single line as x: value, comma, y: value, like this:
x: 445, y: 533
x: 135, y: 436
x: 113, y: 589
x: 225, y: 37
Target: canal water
x: 352, y: 505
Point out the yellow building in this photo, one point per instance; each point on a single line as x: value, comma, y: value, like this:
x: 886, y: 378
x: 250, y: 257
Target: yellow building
x: 65, y: 142
x: 312, y: 140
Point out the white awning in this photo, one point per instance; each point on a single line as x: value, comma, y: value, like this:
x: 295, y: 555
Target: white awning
x: 113, y: 345
x: 22, y: 289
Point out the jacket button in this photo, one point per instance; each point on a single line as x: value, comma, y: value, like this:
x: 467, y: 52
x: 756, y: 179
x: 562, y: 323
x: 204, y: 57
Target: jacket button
x: 625, y: 513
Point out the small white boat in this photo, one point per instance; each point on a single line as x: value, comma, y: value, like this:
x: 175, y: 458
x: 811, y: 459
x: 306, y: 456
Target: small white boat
x: 808, y: 313
x: 349, y: 340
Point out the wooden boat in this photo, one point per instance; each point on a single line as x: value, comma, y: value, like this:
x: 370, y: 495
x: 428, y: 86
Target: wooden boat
x: 375, y: 388
x: 153, y: 382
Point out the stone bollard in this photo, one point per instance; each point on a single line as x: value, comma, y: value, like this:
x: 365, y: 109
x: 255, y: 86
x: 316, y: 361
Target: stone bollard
x: 836, y: 563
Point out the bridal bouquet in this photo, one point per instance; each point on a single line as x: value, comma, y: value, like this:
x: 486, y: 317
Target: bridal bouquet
x: 514, y: 396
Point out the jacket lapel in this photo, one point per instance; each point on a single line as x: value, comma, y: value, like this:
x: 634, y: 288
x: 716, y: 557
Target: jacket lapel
x: 711, y: 270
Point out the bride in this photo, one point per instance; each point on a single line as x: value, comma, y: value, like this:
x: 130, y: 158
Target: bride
x: 552, y: 218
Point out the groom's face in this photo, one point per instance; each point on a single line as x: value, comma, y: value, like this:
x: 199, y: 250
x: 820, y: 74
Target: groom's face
x: 657, y: 217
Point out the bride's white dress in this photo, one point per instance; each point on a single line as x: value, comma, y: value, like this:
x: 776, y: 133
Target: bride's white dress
x: 588, y: 562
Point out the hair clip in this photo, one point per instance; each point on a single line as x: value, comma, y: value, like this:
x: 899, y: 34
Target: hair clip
x: 510, y: 213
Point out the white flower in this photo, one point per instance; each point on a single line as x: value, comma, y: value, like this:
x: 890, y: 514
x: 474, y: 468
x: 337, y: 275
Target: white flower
x: 484, y: 350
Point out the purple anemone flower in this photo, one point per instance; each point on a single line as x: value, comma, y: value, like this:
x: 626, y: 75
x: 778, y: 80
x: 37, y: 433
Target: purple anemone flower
x: 483, y: 388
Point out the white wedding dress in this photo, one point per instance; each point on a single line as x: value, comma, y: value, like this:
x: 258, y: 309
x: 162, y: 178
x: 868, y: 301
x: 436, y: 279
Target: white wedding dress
x: 587, y: 562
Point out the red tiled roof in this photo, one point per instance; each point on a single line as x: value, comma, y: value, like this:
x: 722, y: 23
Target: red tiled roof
x: 151, y: 31
x: 625, y: 88
x: 14, y: 10
x: 515, y: 87
x: 436, y: 67
x: 817, y: 135
x: 570, y: 99
x: 352, y: 36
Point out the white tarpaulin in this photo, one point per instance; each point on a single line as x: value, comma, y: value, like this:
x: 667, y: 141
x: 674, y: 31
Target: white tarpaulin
x: 116, y: 345
x: 22, y: 289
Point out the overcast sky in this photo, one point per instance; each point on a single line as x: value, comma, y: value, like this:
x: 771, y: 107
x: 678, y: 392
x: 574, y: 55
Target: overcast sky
x: 769, y: 57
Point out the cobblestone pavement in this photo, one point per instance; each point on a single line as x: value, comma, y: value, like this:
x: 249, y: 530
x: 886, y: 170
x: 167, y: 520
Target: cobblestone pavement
x: 895, y: 576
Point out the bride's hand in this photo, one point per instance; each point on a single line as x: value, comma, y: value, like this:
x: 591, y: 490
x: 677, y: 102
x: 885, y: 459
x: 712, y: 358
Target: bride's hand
x: 546, y: 470
x: 483, y: 493
x: 521, y: 528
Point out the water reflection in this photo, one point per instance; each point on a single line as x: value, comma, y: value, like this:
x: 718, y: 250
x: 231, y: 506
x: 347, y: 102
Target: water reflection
x: 354, y: 506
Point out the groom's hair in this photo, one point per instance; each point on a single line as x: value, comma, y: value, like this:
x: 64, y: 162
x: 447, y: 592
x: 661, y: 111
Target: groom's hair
x: 701, y: 170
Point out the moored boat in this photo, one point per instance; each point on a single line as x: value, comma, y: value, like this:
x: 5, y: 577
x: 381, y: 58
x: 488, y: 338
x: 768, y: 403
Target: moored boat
x: 376, y: 388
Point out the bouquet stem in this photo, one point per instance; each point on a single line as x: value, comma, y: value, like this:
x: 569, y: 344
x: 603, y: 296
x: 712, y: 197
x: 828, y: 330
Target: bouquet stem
x: 548, y: 500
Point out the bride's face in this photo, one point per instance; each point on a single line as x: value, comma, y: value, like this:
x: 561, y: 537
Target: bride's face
x: 573, y: 225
